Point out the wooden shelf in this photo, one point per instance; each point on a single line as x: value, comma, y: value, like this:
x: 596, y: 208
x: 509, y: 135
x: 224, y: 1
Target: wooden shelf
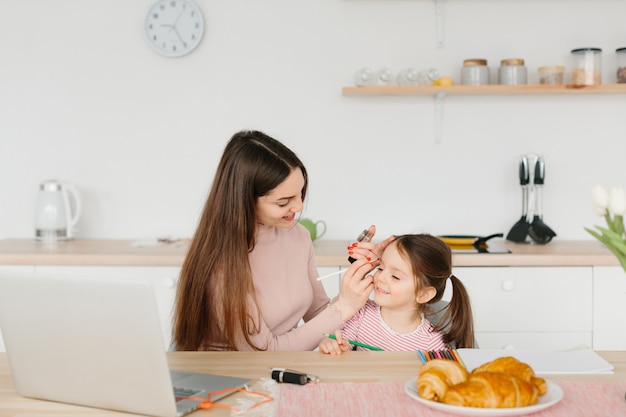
x: 485, y: 90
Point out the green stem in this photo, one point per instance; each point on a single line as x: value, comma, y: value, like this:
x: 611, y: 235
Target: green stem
x: 614, y: 238
x: 613, y: 242
x: 619, y: 225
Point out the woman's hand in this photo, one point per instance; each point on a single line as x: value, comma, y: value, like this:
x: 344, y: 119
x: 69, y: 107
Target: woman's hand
x: 369, y: 250
x: 334, y: 346
x: 356, y: 287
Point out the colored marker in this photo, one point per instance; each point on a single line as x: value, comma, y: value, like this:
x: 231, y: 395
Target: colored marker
x: 354, y: 342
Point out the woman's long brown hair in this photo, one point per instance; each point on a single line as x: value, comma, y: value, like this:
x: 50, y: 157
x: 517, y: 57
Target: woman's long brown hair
x: 431, y: 262
x: 212, y: 300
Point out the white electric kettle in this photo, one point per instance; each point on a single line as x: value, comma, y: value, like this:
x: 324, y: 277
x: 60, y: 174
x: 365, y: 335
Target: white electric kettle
x: 57, y: 212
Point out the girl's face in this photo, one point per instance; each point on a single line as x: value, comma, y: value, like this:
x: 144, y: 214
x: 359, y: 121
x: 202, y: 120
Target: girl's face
x: 394, y: 285
x: 279, y: 206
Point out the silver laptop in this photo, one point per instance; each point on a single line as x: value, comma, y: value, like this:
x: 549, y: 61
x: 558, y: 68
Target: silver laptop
x: 95, y: 342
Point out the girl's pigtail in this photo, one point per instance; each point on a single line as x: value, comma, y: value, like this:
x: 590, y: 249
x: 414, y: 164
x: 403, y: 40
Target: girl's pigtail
x: 458, y: 320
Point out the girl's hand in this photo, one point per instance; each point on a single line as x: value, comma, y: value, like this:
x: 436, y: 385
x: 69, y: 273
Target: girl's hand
x: 334, y: 347
x: 358, y: 250
x: 356, y: 287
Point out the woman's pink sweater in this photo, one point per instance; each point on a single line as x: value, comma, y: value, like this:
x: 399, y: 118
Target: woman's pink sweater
x: 285, y: 280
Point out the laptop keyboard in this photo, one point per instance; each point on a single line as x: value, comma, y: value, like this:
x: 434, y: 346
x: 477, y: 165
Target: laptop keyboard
x: 180, y: 392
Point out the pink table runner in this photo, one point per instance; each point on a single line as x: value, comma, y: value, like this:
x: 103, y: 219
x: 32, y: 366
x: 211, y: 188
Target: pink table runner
x: 380, y: 399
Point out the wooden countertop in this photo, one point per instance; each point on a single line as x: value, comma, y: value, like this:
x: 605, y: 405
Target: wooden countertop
x: 91, y: 252
x: 381, y: 367
x: 328, y: 253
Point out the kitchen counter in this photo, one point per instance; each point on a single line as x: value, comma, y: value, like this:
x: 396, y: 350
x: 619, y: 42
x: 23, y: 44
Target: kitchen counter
x: 328, y: 253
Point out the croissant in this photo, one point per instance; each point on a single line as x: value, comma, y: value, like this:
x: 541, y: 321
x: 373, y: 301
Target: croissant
x: 492, y: 390
x: 510, y: 365
x: 436, y: 376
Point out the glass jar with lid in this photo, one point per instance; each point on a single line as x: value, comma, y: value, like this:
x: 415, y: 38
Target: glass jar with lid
x: 620, y: 57
x: 512, y: 72
x: 586, y: 66
x: 551, y: 74
x: 475, y: 72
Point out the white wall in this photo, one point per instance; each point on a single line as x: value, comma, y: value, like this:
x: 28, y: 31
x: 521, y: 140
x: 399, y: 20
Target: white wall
x: 83, y: 98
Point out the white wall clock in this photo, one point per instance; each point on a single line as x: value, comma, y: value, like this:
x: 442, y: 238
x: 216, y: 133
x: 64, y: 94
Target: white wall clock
x: 174, y: 27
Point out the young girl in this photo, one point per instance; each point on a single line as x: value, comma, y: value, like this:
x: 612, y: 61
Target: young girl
x: 412, y: 274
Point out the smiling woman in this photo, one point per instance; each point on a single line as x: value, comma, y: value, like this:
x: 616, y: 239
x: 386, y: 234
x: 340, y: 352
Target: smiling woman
x: 249, y: 276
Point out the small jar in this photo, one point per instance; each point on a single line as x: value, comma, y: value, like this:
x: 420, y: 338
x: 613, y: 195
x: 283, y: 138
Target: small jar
x: 411, y: 76
x: 512, y: 72
x: 364, y: 77
x: 383, y: 77
x: 427, y: 76
x: 475, y: 72
x: 587, y: 66
x: 620, y: 58
x: 551, y: 74
x: 407, y: 76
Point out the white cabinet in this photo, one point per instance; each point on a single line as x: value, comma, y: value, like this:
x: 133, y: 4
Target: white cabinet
x: 530, y: 307
x: 163, y: 279
x: 609, y: 308
x: 19, y: 268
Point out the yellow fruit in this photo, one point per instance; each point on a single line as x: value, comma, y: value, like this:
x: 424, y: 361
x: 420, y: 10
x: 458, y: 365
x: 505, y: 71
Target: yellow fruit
x: 445, y: 80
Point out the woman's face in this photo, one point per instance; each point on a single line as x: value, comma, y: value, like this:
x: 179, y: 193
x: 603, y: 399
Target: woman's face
x: 394, y: 285
x: 279, y: 206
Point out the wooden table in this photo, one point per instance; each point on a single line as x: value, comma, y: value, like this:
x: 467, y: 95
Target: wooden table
x: 354, y: 367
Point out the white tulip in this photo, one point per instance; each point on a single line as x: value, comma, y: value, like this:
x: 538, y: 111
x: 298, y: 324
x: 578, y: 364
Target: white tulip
x: 617, y: 201
x: 600, y: 198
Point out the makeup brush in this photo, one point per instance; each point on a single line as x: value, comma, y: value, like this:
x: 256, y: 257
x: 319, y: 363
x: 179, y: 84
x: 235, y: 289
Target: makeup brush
x: 332, y: 274
x: 341, y: 271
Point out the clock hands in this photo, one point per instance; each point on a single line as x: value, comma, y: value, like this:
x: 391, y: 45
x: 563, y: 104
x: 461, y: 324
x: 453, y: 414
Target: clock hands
x: 173, y: 27
x: 179, y: 15
x: 180, y: 37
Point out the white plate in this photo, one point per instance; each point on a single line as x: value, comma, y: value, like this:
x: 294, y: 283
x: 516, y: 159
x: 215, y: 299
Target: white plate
x: 551, y: 397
